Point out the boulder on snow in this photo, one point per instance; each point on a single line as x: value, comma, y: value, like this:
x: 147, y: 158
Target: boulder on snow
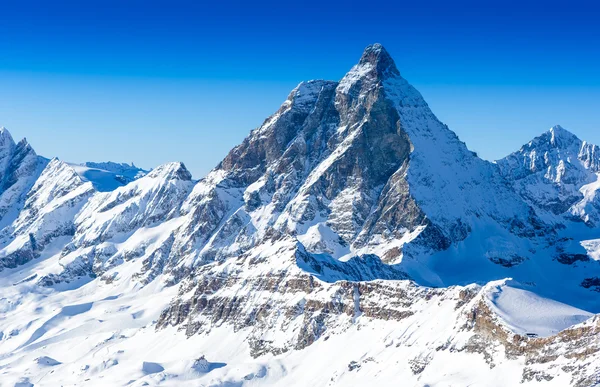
x: 47, y: 361
x: 151, y: 368
x: 201, y: 364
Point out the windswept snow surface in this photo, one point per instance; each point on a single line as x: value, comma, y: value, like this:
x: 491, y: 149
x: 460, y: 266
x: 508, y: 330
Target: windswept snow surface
x: 81, y: 325
x: 525, y: 312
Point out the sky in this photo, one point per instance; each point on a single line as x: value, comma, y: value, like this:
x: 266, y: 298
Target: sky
x: 151, y: 82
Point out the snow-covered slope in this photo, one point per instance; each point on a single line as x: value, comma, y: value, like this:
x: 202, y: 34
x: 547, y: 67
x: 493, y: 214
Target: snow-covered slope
x: 525, y: 312
x: 48, y: 213
x: 131, y: 222
x: 344, y: 334
x: 351, y: 239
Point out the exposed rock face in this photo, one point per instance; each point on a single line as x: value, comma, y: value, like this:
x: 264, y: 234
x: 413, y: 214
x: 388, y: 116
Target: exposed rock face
x: 303, y: 310
x: 19, y: 169
x: 573, y: 351
x: 284, y: 297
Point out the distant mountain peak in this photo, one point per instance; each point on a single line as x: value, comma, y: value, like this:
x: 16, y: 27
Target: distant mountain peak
x: 6, y: 140
x: 558, y: 129
x: 557, y: 138
x: 556, y: 171
x: 560, y: 136
x: 174, y: 170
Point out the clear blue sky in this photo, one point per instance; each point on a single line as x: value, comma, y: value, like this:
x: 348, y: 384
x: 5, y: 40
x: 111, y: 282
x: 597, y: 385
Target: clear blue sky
x: 152, y: 82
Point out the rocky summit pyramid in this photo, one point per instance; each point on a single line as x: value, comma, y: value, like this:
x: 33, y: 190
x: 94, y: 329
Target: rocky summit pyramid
x: 360, y: 166
x: 352, y: 237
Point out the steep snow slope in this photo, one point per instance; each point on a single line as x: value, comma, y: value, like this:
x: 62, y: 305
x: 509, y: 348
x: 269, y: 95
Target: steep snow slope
x: 305, y: 257
x: 131, y: 222
x: 40, y: 198
x: 55, y: 198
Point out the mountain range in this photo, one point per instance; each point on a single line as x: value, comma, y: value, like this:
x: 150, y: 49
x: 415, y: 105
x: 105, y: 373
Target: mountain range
x: 352, y: 237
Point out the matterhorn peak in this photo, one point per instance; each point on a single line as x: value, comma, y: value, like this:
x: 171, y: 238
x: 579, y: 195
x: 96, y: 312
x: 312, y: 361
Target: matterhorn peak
x: 378, y: 57
x: 375, y: 66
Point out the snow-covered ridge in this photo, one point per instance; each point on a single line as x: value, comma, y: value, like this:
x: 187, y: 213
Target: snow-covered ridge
x: 130, y: 171
x: 20, y: 166
x: 108, y: 176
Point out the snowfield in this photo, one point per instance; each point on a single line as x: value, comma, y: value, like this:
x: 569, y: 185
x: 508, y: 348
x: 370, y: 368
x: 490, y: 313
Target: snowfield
x: 527, y: 313
x: 351, y: 240
x: 104, y: 334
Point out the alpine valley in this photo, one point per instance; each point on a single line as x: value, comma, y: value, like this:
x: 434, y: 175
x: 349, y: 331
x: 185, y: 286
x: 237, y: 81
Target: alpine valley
x: 352, y: 239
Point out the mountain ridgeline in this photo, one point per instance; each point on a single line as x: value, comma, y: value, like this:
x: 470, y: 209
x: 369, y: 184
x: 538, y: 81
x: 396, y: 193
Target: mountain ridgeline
x: 351, y: 200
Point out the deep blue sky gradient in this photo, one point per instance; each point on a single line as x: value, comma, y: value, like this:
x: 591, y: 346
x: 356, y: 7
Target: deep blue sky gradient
x: 152, y: 82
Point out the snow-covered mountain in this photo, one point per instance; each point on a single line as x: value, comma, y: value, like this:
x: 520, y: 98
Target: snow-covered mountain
x: 352, y: 237
x: 558, y: 172
x: 47, y: 214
